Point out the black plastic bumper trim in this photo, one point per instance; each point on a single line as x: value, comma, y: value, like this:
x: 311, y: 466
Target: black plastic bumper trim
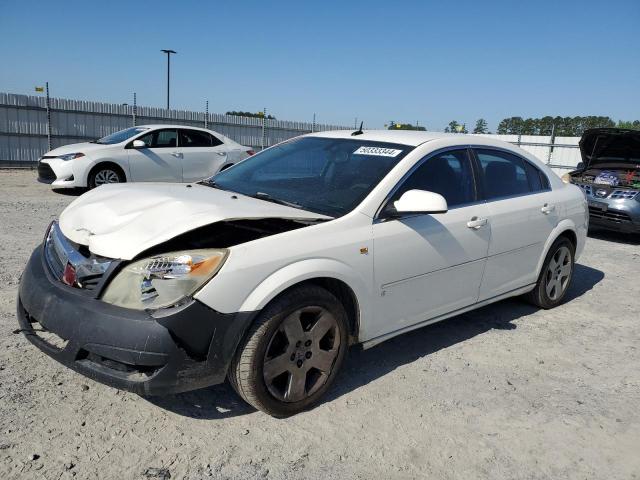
x: 169, y: 351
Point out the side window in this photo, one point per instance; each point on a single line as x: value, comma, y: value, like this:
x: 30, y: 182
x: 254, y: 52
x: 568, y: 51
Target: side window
x: 503, y: 174
x: 194, y: 138
x: 161, y: 139
x: 448, y: 173
x: 215, y: 141
x: 536, y: 178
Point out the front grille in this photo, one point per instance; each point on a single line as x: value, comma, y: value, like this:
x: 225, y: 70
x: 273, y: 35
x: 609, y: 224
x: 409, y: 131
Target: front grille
x: 53, y: 259
x: 614, y: 216
x: 60, y: 252
x: 625, y: 194
x: 618, y: 194
x: 45, y: 172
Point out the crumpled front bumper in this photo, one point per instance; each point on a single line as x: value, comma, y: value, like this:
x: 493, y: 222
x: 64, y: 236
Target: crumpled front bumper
x: 167, y: 351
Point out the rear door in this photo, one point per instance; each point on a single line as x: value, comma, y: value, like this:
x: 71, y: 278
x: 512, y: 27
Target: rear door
x: 431, y: 264
x: 203, y: 154
x: 522, y: 214
x: 159, y: 161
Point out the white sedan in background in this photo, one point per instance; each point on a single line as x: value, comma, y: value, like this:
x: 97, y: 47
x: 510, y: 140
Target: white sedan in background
x: 148, y: 153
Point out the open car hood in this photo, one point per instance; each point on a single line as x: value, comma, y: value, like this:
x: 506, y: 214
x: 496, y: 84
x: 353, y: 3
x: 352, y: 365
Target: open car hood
x: 123, y: 220
x: 610, y: 146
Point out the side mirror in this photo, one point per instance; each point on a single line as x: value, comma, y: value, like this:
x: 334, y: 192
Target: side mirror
x: 580, y: 166
x: 421, y: 201
x: 139, y: 144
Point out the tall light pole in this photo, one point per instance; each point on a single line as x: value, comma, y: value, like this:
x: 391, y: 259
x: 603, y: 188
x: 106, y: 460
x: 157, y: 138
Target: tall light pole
x: 168, y: 52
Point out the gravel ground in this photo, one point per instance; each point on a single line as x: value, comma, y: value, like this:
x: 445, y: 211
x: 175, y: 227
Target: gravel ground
x: 505, y: 392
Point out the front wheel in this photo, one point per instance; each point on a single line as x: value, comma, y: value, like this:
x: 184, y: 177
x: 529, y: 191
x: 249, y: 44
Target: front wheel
x: 555, y: 276
x: 292, y: 353
x: 103, y: 175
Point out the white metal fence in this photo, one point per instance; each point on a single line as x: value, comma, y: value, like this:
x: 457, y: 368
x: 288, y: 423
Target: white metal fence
x: 25, y: 132
x: 560, y: 153
x: 25, y: 135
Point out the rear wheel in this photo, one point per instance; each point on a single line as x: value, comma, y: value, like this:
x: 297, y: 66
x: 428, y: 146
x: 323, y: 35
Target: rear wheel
x: 292, y: 353
x: 103, y: 174
x: 555, y: 276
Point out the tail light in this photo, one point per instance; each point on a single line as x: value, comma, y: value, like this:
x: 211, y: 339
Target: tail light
x: 251, y: 152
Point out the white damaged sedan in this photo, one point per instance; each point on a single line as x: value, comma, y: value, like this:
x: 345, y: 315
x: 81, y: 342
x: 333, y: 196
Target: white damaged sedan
x: 268, y: 271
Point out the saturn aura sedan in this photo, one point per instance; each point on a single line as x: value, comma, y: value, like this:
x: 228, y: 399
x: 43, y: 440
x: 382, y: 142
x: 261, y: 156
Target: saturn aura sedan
x: 265, y: 273
x: 148, y: 153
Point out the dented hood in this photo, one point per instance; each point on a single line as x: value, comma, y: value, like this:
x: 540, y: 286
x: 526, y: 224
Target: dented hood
x: 123, y: 220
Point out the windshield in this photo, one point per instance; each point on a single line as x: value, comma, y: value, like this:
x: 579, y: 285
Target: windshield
x: 323, y: 175
x: 121, y: 136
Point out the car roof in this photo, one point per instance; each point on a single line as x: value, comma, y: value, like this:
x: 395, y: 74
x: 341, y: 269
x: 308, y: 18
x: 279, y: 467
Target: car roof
x: 169, y: 125
x: 414, y: 138
x: 408, y: 137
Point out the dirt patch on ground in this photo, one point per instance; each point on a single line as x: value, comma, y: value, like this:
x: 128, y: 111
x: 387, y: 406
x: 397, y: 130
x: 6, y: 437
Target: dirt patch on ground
x: 505, y: 392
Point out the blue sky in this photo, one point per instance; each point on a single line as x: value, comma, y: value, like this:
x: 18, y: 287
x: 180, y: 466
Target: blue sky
x: 423, y: 61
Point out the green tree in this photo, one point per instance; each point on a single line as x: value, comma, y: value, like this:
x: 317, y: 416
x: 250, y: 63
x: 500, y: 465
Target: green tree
x: 455, y: 127
x: 481, y: 126
x: 250, y: 114
x: 635, y: 125
x: 405, y: 126
x: 561, y: 126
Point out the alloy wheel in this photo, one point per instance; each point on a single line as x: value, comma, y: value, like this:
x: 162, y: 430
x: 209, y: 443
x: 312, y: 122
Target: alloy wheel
x: 558, y: 273
x: 301, y: 354
x: 106, y: 176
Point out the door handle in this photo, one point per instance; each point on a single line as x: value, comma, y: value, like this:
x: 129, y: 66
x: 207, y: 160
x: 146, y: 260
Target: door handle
x: 476, y: 222
x: 222, y: 154
x: 547, y: 209
x: 176, y: 154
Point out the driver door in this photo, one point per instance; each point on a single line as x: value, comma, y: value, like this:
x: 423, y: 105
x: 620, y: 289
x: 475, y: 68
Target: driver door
x: 427, y: 265
x: 160, y: 160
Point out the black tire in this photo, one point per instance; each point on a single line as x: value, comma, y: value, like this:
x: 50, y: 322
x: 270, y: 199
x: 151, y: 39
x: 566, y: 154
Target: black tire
x: 555, y: 276
x: 224, y: 167
x: 106, y: 173
x: 268, y: 342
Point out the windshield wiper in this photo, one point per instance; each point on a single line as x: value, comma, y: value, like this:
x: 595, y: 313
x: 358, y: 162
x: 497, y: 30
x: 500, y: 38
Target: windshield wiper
x: 268, y: 198
x: 210, y: 183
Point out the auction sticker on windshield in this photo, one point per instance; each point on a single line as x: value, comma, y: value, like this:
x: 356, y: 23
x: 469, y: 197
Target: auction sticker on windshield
x: 379, y: 151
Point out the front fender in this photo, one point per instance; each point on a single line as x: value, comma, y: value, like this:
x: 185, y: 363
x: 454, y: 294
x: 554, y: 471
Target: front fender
x: 309, y: 269
x: 122, y: 162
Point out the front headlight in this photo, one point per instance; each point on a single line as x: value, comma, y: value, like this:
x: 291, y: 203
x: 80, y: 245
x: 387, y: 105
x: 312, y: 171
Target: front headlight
x: 163, y: 280
x: 566, y: 178
x: 70, y: 156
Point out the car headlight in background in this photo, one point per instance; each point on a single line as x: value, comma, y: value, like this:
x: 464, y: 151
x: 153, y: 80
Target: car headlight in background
x: 70, y: 156
x: 566, y: 178
x: 163, y: 280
